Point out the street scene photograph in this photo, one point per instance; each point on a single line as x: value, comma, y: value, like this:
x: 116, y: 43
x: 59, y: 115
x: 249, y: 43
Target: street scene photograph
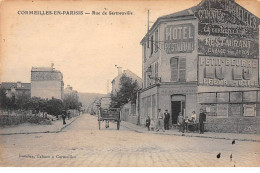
x: 129, y: 83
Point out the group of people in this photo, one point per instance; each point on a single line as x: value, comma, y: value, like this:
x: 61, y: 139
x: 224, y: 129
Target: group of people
x: 183, y: 122
x: 162, y: 120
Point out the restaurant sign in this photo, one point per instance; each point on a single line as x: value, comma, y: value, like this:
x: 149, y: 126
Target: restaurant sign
x: 227, y: 29
x: 179, y: 38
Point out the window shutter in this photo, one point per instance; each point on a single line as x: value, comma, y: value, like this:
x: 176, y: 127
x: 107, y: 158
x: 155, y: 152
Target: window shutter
x: 182, y: 70
x: 174, y: 69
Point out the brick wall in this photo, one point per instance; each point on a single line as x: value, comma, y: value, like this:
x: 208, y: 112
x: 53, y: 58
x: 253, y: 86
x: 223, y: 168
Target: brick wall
x: 248, y: 125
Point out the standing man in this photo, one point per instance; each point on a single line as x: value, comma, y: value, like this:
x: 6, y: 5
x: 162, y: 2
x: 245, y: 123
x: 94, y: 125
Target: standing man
x: 181, y: 122
x: 64, y: 116
x: 202, y: 118
x: 166, y: 120
x: 159, y: 120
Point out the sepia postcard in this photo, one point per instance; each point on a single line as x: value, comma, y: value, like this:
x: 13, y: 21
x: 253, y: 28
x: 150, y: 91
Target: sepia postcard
x: 134, y: 83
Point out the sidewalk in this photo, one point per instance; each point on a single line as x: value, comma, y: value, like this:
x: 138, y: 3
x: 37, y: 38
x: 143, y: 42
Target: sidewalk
x: 175, y: 132
x: 27, y: 128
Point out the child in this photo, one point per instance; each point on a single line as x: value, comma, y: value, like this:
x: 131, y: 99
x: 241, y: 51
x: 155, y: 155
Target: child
x: 148, y: 122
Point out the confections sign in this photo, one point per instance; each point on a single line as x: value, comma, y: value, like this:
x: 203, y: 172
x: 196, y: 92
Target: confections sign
x: 227, y: 29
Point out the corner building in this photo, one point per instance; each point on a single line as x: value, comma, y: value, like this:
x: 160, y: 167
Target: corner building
x: 205, y: 57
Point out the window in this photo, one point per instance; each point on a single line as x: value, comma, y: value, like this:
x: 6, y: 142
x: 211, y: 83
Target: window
x: 154, y: 109
x: 174, y: 69
x: 222, y: 97
x: 178, y: 69
x: 133, y: 109
x: 152, y: 45
x: 144, y: 51
x: 249, y: 96
x: 156, y: 40
x: 156, y: 69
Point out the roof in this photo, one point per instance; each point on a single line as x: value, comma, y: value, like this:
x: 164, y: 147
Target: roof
x: 44, y: 69
x: 8, y: 85
x: 187, y: 12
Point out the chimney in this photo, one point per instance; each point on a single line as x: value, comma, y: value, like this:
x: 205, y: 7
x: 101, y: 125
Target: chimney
x: 119, y: 70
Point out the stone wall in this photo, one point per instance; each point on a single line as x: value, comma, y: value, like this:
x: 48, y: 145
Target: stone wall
x: 248, y: 125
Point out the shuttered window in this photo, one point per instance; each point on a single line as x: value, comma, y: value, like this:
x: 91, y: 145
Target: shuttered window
x: 174, y: 69
x: 178, y: 69
x: 182, y: 70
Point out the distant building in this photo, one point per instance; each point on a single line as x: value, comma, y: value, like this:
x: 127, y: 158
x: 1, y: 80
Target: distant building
x: 128, y: 111
x: 13, y: 89
x: 116, y: 81
x: 46, y: 82
x: 69, y: 90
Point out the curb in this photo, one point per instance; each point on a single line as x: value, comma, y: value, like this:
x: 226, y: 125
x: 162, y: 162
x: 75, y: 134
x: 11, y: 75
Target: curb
x: 188, y: 135
x: 56, y: 131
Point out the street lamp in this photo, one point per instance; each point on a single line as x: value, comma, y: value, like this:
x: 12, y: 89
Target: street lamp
x: 149, y: 74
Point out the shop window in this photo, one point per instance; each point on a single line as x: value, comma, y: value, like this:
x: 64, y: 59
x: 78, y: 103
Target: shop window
x: 222, y: 110
x: 250, y: 96
x: 149, y: 106
x: 222, y: 97
x: 235, y: 97
x: 249, y: 110
x: 258, y: 96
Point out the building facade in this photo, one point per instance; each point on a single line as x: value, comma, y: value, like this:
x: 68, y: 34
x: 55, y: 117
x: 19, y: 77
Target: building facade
x: 13, y: 89
x: 46, y: 82
x: 204, y: 57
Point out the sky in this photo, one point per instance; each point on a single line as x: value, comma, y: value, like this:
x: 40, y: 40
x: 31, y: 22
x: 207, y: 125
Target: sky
x: 85, y: 48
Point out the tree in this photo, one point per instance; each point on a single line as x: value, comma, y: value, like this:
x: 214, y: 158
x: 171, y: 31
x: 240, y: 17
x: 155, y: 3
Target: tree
x: 71, y: 101
x: 54, y: 107
x: 127, y: 92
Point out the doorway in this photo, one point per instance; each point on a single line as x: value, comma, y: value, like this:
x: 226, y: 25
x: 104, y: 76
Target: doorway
x: 176, y: 109
x: 177, y: 105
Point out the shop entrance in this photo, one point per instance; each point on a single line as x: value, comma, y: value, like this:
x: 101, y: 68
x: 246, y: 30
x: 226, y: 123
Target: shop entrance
x: 177, y: 105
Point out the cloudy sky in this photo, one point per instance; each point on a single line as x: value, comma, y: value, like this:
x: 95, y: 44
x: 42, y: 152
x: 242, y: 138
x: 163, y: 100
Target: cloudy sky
x: 85, y: 48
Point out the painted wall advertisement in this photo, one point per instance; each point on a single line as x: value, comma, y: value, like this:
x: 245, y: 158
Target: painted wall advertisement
x: 233, y: 72
x: 179, y: 38
x: 227, y: 29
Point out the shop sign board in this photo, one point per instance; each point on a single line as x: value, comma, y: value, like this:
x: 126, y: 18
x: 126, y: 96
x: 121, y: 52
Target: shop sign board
x: 231, y: 72
x: 227, y: 29
x: 179, y: 38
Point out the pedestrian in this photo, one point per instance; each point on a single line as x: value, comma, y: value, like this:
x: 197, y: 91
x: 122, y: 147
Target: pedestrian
x: 64, y: 113
x: 152, y: 125
x: 148, y: 122
x: 166, y: 120
x: 159, y: 120
x: 181, y: 122
x: 202, y: 119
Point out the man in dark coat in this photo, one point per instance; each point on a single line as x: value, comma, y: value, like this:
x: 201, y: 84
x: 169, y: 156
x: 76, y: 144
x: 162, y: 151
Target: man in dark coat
x: 202, y: 119
x: 64, y: 113
x: 166, y: 120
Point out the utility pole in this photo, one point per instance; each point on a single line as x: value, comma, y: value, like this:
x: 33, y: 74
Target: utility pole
x: 148, y: 28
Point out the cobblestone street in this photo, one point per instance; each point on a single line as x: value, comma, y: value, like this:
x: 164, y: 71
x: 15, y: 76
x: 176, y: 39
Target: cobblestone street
x: 82, y: 144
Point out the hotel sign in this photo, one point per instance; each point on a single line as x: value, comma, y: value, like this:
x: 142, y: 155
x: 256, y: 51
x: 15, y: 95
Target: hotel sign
x: 231, y: 72
x: 179, y: 38
x: 227, y: 29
